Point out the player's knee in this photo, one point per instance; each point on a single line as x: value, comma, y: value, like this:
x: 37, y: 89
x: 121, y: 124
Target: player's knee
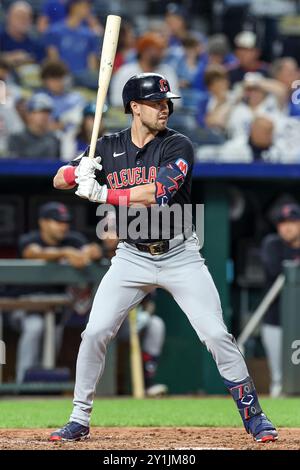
x: 215, y: 337
x: 99, y: 334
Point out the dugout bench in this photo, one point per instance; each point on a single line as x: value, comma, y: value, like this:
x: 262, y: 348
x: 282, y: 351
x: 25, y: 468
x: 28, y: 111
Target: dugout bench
x: 18, y: 272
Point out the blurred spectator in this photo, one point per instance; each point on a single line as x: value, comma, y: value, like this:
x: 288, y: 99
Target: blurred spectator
x: 75, y: 44
x: 175, y: 30
x: 16, y: 43
x: 85, y: 131
x: 269, y: 141
x: 188, y: 66
x: 126, y: 45
x: 246, y: 149
x: 218, y: 51
x: 176, y: 22
x: 36, y: 141
x: 53, y: 241
x: 260, y: 96
x: 151, y: 328
x: 285, y: 245
x: 286, y: 71
x: 215, y: 111
x: 261, y: 137
x: 54, y: 11
x: 247, y: 53
x: 9, y: 116
x: 11, y: 88
x: 191, y: 68
x: 150, y: 49
x: 67, y: 104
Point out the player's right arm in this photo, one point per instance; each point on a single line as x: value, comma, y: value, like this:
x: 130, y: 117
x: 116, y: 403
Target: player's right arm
x: 80, y: 167
x: 59, y: 180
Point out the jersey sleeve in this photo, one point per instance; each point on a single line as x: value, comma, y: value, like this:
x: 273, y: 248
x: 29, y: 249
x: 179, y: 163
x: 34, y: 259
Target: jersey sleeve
x: 271, y: 257
x: 178, y: 150
x: 26, y: 240
x: 76, y: 240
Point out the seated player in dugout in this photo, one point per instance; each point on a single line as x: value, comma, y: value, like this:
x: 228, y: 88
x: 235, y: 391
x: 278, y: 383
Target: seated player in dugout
x: 151, y: 328
x: 53, y: 241
x: 276, y: 248
x: 151, y: 165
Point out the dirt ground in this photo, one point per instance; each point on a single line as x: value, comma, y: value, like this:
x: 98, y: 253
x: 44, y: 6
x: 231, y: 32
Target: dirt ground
x: 149, y: 438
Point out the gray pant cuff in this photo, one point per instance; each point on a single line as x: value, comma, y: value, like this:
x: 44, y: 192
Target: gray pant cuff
x: 80, y: 417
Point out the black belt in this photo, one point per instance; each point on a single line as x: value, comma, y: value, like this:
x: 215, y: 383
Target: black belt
x: 162, y: 246
x: 156, y: 248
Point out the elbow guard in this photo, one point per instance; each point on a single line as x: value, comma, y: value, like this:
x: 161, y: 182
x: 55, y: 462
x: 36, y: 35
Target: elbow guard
x: 169, y: 179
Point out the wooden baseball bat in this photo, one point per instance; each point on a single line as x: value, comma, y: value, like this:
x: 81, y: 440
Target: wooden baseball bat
x: 136, y: 363
x: 109, y: 47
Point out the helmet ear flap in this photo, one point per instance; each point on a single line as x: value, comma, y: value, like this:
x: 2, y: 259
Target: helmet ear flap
x: 171, y: 107
x: 128, y: 109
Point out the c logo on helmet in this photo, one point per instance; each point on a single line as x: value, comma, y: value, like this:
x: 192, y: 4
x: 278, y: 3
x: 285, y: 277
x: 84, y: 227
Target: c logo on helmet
x: 163, y: 85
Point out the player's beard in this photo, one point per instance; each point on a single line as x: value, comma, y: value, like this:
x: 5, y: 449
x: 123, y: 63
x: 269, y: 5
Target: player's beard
x: 156, y: 126
x: 162, y: 123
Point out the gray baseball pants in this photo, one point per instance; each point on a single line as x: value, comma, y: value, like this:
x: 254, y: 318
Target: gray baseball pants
x: 182, y: 272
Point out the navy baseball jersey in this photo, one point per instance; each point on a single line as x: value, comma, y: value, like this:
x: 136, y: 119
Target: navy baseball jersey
x: 125, y: 165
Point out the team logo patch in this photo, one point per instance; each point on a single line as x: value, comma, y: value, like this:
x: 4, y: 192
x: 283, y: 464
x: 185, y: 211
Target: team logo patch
x: 182, y: 165
x: 163, y: 85
x: 247, y: 400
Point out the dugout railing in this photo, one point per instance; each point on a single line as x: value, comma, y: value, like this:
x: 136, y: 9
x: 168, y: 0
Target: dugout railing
x: 18, y: 272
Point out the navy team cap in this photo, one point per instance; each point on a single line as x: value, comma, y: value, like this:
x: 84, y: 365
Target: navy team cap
x: 55, y: 211
x: 288, y: 212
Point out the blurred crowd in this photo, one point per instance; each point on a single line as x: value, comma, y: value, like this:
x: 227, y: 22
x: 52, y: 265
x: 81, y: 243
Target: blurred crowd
x: 235, y: 107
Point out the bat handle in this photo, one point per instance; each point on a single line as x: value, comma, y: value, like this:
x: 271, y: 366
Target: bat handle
x: 97, y: 122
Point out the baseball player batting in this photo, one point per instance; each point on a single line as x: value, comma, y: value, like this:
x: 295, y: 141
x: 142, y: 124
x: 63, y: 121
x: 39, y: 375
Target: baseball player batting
x: 151, y: 164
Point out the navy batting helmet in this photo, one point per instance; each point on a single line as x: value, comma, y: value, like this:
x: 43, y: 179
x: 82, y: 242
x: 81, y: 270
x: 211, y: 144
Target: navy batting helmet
x: 149, y: 87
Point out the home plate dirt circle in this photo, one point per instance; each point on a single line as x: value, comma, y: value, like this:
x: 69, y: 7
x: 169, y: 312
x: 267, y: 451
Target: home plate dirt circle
x: 141, y: 438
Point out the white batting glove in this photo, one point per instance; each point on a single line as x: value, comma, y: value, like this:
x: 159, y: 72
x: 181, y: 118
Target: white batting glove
x: 87, y: 168
x: 90, y: 189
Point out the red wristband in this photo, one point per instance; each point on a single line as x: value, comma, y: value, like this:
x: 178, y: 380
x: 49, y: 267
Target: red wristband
x: 118, y: 197
x: 69, y: 175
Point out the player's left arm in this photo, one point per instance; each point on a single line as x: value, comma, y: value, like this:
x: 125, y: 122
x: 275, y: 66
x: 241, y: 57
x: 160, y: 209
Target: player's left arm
x: 169, y: 180
x: 177, y: 162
